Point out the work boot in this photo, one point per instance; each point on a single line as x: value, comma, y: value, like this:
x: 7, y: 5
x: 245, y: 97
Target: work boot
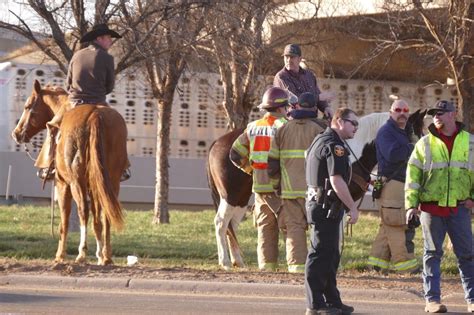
x: 46, y: 173
x: 435, y: 307
x: 346, y: 309
x: 324, y: 311
x: 470, y: 307
x: 126, y: 175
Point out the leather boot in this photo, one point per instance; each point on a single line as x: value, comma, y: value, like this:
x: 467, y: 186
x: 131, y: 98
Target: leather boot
x: 435, y: 307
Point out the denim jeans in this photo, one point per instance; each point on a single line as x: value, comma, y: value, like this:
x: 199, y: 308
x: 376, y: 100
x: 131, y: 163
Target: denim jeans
x: 458, y: 227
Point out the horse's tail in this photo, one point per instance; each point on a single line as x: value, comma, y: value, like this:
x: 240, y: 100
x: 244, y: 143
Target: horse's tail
x: 100, y: 184
x: 210, y: 180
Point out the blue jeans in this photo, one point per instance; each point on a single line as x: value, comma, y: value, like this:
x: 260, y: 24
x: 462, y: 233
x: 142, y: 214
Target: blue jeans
x: 458, y: 227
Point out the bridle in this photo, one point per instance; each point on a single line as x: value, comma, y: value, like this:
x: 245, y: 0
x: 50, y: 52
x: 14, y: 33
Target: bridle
x: 359, y: 180
x: 27, y: 123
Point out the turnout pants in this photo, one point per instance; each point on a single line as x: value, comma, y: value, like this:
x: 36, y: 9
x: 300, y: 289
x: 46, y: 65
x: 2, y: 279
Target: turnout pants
x: 266, y: 209
x: 394, y: 241
x: 292, y: 222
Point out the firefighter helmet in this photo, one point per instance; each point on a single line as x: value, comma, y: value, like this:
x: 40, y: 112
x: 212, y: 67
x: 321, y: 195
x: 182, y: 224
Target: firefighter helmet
x: 274, y: 97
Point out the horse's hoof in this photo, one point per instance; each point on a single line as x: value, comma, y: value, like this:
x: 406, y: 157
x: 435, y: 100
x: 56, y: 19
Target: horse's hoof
x: 239, y: 265
x: 59, y: 260
x: 226, y: 268
x: 57, y: 265
x: 105, y: 262
x: 80, y: 260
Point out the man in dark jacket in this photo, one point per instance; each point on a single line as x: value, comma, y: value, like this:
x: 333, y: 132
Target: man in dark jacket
x: 327, y: 161
x: 91, y: 76
x: 394, y: 241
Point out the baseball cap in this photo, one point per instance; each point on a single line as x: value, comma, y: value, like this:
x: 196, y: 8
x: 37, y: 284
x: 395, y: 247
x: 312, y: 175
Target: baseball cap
x: 292, y: 50
x: 307, y: 100
x: 444, y: 106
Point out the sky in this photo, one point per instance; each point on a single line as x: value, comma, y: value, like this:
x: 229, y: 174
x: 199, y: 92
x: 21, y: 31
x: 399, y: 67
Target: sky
x: 306, y: 10
x: 331, y: 7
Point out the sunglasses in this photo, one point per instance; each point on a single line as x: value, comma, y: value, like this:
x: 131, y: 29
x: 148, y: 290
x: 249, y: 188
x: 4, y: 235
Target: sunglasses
x: 399, y: 110
x: 354, y: 123
x: 439, y: 113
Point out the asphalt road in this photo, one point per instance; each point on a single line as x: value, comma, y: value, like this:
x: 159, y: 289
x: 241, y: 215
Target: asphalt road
x: 62, y: 295
x: 78, y: 301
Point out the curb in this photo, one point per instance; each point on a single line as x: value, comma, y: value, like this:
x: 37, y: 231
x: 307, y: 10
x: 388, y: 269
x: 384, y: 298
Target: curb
x: 209, y: 288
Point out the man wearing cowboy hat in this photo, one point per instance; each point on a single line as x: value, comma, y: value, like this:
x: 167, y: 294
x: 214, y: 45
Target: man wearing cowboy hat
x: 91, y: 76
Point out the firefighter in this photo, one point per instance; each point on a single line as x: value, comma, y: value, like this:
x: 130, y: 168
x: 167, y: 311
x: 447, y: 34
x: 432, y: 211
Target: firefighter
x: 250, y: 153
x: 286, y: 164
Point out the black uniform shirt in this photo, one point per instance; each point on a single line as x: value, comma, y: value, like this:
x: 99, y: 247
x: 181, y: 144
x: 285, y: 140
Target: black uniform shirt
x: 327, y: 156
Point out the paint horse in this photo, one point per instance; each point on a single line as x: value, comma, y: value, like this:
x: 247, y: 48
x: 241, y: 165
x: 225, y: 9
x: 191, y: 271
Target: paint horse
x: 91, y: 156
x: 231, y: 188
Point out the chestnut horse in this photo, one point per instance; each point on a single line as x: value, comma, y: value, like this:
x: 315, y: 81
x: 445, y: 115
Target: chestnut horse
x: 90, y: 158
x: 231, y: 188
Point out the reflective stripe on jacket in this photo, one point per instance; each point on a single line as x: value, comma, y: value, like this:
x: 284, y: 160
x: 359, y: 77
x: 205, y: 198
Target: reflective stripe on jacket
x: 287, y: 156
x: 434, y: 176
x: 253, y: 146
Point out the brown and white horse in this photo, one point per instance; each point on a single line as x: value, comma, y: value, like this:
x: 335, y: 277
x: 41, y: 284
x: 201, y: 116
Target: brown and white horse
x: 90, y: 158
x: 231, y: 188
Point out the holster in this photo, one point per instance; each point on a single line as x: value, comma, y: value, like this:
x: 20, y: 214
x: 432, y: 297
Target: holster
x: 316, y: 194
x: 313, y: 211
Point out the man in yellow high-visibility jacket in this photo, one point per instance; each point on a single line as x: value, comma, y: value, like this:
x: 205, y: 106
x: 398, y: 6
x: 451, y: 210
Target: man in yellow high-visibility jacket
x: 440, y: 184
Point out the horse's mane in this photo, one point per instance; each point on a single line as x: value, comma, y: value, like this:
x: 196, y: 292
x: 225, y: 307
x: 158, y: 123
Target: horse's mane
x: 368, y: 157
x: 53, y: 90
x: 368, y: 127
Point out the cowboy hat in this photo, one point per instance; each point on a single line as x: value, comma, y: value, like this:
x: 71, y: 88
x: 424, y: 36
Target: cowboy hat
x: 99, y: 30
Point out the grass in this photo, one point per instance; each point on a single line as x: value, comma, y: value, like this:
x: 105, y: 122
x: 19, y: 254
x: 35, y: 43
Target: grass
x: 189, y: 241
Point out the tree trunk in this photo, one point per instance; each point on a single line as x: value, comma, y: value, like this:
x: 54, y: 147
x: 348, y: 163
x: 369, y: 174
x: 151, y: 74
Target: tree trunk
x: 161, y: 210
x: 238, y: 120
x: 467, y: 95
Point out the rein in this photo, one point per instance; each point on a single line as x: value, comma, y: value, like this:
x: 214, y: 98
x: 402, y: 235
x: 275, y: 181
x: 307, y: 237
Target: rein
x: 361, y: 182
x: 358, y: 161
x: 27, y: 151
x: 27, y: 122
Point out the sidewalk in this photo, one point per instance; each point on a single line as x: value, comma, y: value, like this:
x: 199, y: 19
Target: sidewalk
x: 210, y: 288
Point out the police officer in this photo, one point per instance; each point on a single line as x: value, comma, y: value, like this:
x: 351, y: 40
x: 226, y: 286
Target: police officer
x: 328, y: 172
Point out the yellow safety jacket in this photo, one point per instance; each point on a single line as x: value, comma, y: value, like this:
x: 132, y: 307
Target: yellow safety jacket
x: 434, y: 176
x: 287, y: 156
x: 253, y: 145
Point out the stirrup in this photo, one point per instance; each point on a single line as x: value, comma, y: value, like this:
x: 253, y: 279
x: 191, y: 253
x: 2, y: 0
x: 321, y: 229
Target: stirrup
x: 46, y: 173
x: 126, y: 175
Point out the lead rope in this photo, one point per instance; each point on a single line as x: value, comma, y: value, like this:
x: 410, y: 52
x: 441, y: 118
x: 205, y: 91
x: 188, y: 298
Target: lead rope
x: 358, y: 161
x: 52, y: 207
x: 27, y: 151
